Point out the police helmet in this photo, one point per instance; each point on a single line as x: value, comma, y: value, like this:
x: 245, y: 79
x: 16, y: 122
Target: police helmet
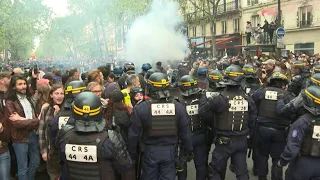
x: 128, y: 66
x: 73, y: 88
x: 234, y: 75
x: 136, y: 90
x: 149, y: 73
x: 215, y: 76
x: 117, y: 70
x: 315, y: 80
x: 158, y: 86
x: 298, y: 64
x: 311, y: 99
x: 278, y: 77
x: 188, y: 85
x: 249, y: 71
x: 87, y: 113
x: 110, y: 66
x: 146, y: 66
x: 316, y: 69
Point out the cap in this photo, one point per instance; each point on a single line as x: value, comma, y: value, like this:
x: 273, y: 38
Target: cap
x: 255, y: 57
x: 43, y: 81
x: 5, y: 74
x: 270, y: 62
x: 116, y: 96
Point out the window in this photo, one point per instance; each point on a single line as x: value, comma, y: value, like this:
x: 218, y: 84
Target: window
x: 203, y: 30
x: 194, y: 31
x: 252, y: 2
x: 255, y: 20
x: 305, y: 16
x: 224, y: 27
x: 306, y: 48
x: 236, y: 25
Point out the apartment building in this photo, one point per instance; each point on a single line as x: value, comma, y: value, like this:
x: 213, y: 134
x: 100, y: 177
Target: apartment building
x: 300, y: 19
x: 227, y: 27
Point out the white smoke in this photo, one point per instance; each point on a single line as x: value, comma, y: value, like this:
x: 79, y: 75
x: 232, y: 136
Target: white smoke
x: 153, y: 37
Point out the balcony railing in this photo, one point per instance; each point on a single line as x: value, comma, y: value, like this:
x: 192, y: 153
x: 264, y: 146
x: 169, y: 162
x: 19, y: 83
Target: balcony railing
x: 304, y: 24
x: 194, y: 16
x: 228, y: 7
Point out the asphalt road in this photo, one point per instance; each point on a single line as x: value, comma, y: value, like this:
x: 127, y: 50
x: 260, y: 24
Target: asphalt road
x: 229, y: 175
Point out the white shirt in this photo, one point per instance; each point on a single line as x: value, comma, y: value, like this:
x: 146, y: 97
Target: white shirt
x: 26, y: 105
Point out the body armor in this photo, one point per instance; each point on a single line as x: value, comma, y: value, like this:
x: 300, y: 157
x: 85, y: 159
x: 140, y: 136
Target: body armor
x: 268, y: 106
x: 163, y: 120
x: 83, y: 155
x: 57, y: 123
x: 234, y: 118
x: 311, y: 141
x: 196, y: 124
x: 251, y: 88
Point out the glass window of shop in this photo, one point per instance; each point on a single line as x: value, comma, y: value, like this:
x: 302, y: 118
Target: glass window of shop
x: 305, y: 48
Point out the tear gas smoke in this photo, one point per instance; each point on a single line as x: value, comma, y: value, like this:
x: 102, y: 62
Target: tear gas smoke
x: 154, y: 36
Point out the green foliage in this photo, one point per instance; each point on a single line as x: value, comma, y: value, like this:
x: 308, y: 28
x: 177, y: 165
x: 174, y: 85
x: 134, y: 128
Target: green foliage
x: 20, y: 23
x: 87, y: 29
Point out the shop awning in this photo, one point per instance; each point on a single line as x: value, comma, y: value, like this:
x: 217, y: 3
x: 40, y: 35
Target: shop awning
x: 218, y: 41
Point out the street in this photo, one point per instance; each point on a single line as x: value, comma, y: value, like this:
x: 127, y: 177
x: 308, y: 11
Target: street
x: 229, y: 175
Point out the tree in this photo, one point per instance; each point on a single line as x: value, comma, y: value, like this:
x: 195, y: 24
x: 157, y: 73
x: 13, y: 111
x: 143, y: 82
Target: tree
x: 209, y: 9
x: 85, y: 31
x: 20, y: 23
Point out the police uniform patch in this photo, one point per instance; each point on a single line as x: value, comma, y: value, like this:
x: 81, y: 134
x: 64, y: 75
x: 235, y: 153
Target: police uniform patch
x: 211, y: 94
x: 192, y: 109
x: 63, y: 121
x: 294, y: 133
x: 165, y: 109
x: 271, y: 95
x: 316, y: 132
x: 81, y: 153
x: 238, y: 104
x: 248, y: 90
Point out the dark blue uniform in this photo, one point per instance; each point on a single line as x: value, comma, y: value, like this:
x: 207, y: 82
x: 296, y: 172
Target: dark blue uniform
x: 230, y: 143
x: 108, y: 152
x: 159, y: 153
x: 270, y: 137
x: 293, y: 109
x: 302, y: 164
x: 198, y: 128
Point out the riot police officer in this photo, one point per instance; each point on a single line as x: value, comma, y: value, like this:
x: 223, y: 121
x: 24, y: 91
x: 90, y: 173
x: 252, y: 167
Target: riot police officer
x: 316, y: 69
x: 72, y: 89
x: 128, y: 69
x: 89, y: 150
x: 117, y: 71
x: 303, y: 145
x: 145, y: 67
x: 270, y: 132
x: 299, y: 79
x: 251, y: 79
x: 190, y: 98
x: 234, y: 112
x: 215, y: 87
x: 159, y: 123
x: 293, y: 108
x: 214, y: 78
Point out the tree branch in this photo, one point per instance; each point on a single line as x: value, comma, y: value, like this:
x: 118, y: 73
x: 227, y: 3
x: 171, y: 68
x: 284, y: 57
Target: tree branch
x: 197, y: 7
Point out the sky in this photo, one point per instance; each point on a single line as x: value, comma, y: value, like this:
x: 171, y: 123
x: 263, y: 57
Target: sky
x: 59, y: 7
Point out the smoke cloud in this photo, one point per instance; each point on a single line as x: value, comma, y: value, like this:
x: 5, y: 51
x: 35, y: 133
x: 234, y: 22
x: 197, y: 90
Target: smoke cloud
x: 154, y: 36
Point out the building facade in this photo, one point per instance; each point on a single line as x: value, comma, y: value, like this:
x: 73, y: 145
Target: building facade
x: 300, y: 19
x: 227, y: 27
